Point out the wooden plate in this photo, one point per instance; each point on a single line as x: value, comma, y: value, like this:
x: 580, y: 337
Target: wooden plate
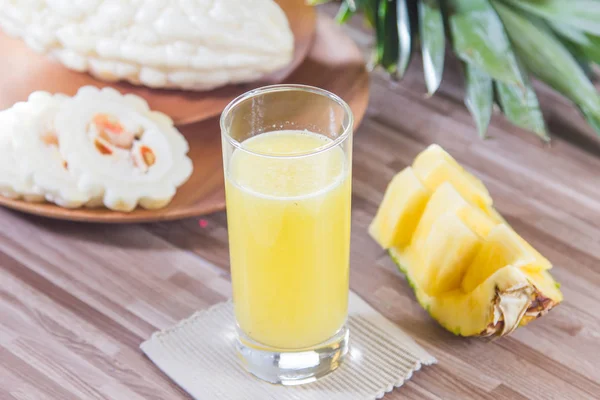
x: 334, y: 63
x: 23, y: 71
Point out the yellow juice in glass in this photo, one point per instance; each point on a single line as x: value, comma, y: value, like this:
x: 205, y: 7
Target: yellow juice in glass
x: 289, y: 231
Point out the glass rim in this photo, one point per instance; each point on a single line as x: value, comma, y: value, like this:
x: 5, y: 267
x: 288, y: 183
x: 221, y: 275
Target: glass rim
x: 284, y: 88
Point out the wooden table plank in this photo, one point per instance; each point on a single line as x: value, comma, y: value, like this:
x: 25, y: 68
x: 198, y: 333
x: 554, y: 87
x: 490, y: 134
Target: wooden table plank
x: 76, y: 300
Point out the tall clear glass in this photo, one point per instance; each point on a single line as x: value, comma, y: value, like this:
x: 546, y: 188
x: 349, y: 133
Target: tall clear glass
x: 287, y: 154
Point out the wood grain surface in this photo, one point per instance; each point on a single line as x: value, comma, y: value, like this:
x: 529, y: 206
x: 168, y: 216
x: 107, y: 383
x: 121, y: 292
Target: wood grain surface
x: 334, y: 63
x: 26, y: 71
x: 76, y: 300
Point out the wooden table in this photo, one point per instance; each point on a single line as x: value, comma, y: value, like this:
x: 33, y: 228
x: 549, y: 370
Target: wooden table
x: 76, y: 300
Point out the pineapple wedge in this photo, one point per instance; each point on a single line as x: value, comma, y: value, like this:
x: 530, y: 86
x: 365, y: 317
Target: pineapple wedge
x: 451, y: 247
x: 442, y: 171
x: 503, y: 246
x: 434, y: 153
x: 401, y: 208
x: 507, y: 299
x: 473, y: 273
x: 435, y: 166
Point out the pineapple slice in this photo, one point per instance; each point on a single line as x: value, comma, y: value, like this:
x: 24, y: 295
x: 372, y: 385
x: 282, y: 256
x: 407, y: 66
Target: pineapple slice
x: 474, y: 218
x: 451, y: 247
x: 496, y: 307
x: 434, y: 166
x: 503, y: 246
x: 471, y: 271
x: 444, y: 199
x: 435, y: 153
x: 446, y: 240
x: 447, y: 199
x: 404, y: 201
x: 442, y: 171
x: 507, y: 299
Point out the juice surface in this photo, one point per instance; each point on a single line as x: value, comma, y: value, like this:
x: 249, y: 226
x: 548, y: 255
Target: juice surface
x: 289, y: 237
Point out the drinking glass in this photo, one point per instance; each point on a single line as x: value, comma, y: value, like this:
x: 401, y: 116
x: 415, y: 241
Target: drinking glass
x: 287, y: 154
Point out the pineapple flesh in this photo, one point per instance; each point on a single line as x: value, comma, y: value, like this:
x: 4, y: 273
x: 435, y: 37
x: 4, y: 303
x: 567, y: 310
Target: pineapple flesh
x: 400, y: 211
x: 469, y: 269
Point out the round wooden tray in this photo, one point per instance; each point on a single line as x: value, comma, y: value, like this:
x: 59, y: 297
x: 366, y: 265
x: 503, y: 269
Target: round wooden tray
x: 333, y: 63
x: 25, y: 71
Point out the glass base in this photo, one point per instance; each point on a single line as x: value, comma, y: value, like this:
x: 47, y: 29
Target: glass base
x: 288, y: 367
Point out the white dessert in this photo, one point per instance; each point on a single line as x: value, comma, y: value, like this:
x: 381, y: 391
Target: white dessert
x: 36, y: 144
x: 120, y: 150
x: 197, y: 45
x: 13, y: 182
x: 97, y: 148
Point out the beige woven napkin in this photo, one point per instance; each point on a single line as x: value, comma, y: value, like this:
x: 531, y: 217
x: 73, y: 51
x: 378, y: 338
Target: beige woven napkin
x: 199, y: 355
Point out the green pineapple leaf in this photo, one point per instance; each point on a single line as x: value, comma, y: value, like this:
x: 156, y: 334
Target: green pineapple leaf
x: 579, y: 42
x: 479, y: 39
x: 344, y: 13
x: 479, y: 97
x: 387, y: 37
x: 546, y: 57
x: 555, y: 40
x: 433, y: 42
x: 581, y: 14
x: 368, y: 7
x: 404, y: 36
x: 521, y: 107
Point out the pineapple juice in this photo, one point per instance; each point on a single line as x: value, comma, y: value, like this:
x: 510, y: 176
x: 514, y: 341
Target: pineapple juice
x: 289, y: 233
